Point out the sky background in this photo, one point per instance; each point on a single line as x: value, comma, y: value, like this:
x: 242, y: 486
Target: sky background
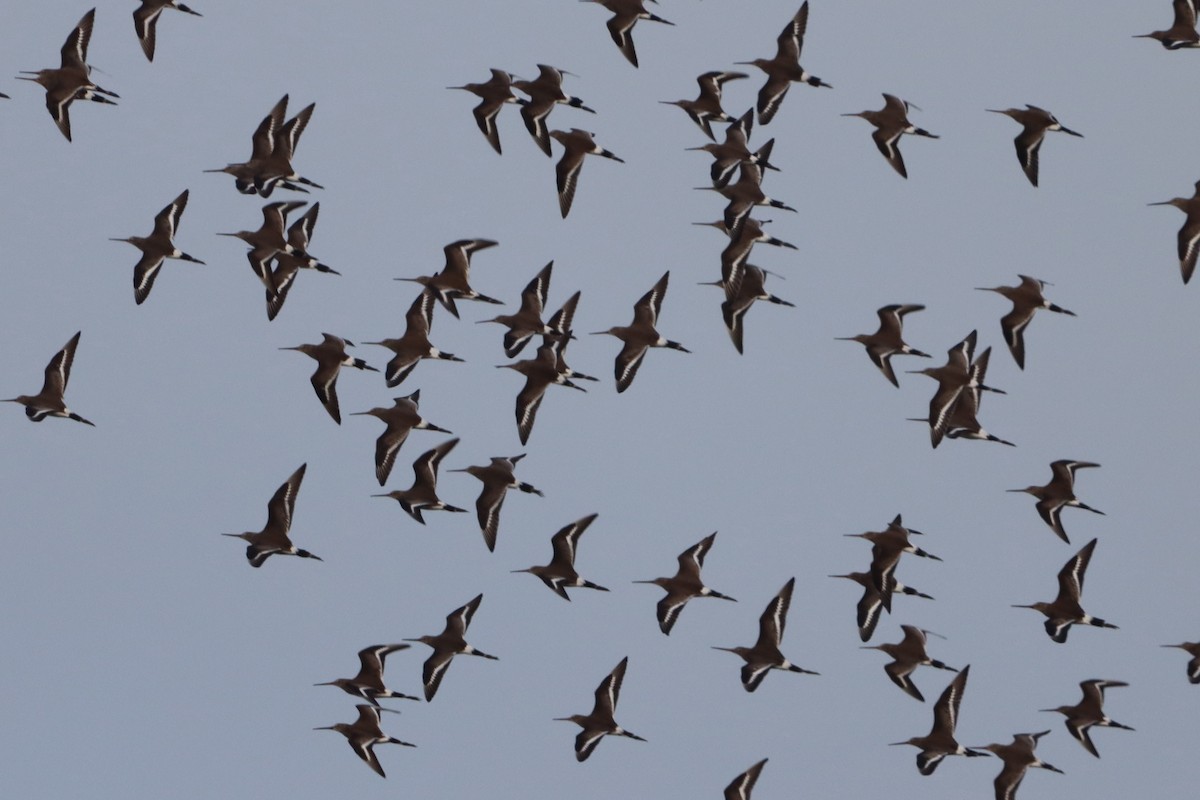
x: 144, y: 657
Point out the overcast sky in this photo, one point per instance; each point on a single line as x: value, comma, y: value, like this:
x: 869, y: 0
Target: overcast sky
x: 145, y: 658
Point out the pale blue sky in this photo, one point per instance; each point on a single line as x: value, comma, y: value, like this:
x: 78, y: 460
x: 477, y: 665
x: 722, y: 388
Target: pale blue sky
x: 146, y: 658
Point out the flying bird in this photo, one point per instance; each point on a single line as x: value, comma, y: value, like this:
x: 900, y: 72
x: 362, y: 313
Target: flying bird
x: 545, y: 92
x: 941, y: 742
x: 330, y: 356
x: 364, y: 733
x: 600, y: 722
x: 641, y: 334
x: 540, y: 373
x: 368, y: 683
x: 706, y: 108
x: 626, y: 13
x: 887, y: 341
x: 765, y: 656
x: 908, y: 654
x: 71, y: 81
x: 422, y: 495
x: 145, y: 21
x: 494, y: 94
x: 1058, y: 494
x: 49, y: 401
x: 891, y: 122
x: 414, y: 345
x: 1018, y: 757
x: 289, y: 264
x: 1193, y: 665
x: 157, y: 247
x: 1065, y: 611
x: 784, y: 69
x: 497, y: 477
x: 1026, y: 298
x: 268, y: 240
x: 1182, y: 32
x: 1188, y: 241
x: 560, y: 573
x: 1036, y: 122
x: 273, y: 538
x: 684, y: 584
x: 577, y: 144
x: 1089, y: 712
x: 452, y: 282
x: 527, y: 321
x: 401, y: 418
x: 447, y: 644
x: 742, y: 785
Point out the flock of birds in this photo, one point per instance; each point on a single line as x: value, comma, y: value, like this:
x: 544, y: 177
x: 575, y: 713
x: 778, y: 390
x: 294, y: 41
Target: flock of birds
x: 279, y: 250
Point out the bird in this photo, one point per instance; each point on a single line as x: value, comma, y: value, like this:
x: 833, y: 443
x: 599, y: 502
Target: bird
x: 497, y: 478
x: 545, y: 92
x: 872, y: 601
x: 1036, y: 122
x: 494, y: 93
x: 729, y: 154
x: 527, y: 321
x: 961, y: 373
x: 368, y: 683
x: 1065, y: 611
x: 276, y: 169
x: 145, y: 21
x: 1193, y: 666
x: 784, y: 69
x: 71, y: 81
x: 288, y: 265
x: 453, y: 281
x: 600, y: 722
x: 1189, y: 234
x: 765, y: 656
x: 447, y: 644
x: 560, y: 573
x: 941, y: 742
x: 887, y: 546
x: 626, y: 13
x: 268, y: 240
x: 684, y: 584
x: 641, y: 334
x: 414, y: 345
x: 330, y: 356
x: 737, y: 252
x: 891, y: 122
x: 157, y: 247
x: 706, y: 108
x: 1017, y: 757
x: 49, y: 401
x: 741, y: 786
x: 364, y: 733
x: 887, y: 341
x: 262, y: 142
x: 746, y: 285
x: 540, y: 373
x: 401, y: 418
x: 1026, y: 298
x: 1089, y: 712
x: 1182, y: 32
x: 1058, y: 494
x: 577, y: 144
x: 908, y: 654
x: 745, y: 193
x: 273, y: 538
x: 422, y: 495
x: 963, y: 422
